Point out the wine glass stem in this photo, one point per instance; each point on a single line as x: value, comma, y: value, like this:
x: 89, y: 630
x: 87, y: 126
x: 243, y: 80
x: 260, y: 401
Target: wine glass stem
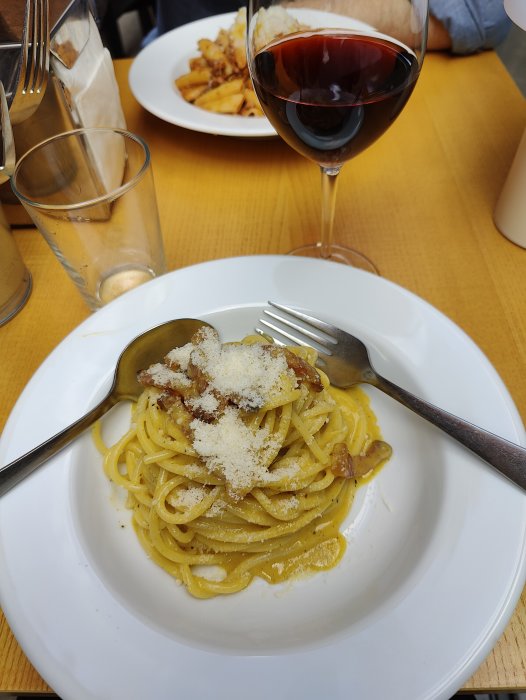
x: 328, y: 205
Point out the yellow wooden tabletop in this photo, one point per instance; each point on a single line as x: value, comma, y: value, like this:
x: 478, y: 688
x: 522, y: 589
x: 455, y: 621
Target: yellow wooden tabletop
x: 419, y: 202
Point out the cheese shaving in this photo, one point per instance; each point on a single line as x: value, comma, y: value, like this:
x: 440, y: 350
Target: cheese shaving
x: 218, y: 384
x: 247, y: 372
x: 233, y: 449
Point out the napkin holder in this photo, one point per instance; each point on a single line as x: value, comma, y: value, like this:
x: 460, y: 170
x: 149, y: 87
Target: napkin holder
x: 82, y: 92
x: 510, y: 211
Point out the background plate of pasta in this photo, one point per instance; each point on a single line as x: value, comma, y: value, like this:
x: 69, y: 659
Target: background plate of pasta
x: 99, y: 617
x: 156, y: 72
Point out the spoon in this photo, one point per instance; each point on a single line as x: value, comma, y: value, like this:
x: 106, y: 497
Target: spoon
x: 143, y: 351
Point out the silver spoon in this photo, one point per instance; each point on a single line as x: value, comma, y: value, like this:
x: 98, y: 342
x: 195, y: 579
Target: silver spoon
x: 143, y: 351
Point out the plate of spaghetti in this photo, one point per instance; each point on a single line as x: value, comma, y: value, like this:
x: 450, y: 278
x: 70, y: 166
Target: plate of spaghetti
x: 242, y: 461
x: 245, y: 528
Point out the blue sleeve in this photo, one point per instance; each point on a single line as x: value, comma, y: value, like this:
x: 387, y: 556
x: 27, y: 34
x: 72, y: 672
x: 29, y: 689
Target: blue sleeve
x: 472, y: 24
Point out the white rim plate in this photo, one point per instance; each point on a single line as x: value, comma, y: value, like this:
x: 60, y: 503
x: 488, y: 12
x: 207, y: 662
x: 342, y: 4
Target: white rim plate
x: 155, y: 68
x: 435, y: 561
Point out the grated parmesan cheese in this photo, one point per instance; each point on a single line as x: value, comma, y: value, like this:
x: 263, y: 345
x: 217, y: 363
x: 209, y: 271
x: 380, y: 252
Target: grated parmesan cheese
x: 180, y: 357
x: 285, y: 471
x: 237, y: 378
x: 216, y: 508
x: 233, y: 449
x: 207, y: 402
x: 162, y: 375
x: 248, y: 372
x: 189, y: 497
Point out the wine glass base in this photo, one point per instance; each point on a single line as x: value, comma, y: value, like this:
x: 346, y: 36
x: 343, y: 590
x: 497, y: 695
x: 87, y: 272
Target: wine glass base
x: 340, y: 254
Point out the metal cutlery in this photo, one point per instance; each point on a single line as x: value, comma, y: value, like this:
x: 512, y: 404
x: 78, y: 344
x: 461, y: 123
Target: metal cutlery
x: 34, y: 61
x: 345, y: 360
x: 145, y: 349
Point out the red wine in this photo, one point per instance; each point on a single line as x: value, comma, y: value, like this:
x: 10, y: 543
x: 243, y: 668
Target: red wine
x: 330, y: 94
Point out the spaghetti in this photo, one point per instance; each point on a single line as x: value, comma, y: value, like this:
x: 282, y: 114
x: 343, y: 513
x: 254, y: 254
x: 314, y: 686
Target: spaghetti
x: 242, y: 461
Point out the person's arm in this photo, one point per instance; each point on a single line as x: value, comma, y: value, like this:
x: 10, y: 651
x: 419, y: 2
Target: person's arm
x: 390, y: 17
x: 438, y: 37
x: 462, y: 26
x: 472, y: 25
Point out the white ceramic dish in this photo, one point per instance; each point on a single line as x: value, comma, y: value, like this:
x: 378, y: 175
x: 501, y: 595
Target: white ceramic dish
x: 435, y: 560
x: 155, y: 68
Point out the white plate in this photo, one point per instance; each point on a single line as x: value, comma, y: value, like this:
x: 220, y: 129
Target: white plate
x: 435, y: 561
x: 155, y: 68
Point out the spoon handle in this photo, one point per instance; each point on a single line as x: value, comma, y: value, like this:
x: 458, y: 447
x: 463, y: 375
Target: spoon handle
x: 15, y: 471
x: 505, y: 456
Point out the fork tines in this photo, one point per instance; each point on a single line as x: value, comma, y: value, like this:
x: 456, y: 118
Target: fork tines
x: 34, y: 61
x: 302, y: 331
x: 36, y: 56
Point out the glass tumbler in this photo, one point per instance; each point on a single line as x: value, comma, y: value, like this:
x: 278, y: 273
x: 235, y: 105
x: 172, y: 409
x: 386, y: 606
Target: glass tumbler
x: 91, y: 194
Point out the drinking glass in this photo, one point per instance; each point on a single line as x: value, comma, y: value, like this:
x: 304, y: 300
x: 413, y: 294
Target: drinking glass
x: 332, y: 76
x: 15, y: 278
x: 90, y: 192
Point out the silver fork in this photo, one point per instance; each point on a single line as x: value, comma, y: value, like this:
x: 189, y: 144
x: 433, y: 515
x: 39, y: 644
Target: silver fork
x: 346, y: 362
x: 34, y: 62
x: 7, y: 143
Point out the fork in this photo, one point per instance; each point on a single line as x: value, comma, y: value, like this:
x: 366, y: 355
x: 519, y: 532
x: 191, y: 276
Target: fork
x: 7, y: 143
x: 346, y: 362
x: 34, y: 65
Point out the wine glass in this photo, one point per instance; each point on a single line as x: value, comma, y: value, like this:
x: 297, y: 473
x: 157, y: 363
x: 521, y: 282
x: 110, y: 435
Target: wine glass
x: 332, y: 76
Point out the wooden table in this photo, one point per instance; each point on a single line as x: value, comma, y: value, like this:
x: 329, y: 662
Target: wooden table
x: 419, y: 203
